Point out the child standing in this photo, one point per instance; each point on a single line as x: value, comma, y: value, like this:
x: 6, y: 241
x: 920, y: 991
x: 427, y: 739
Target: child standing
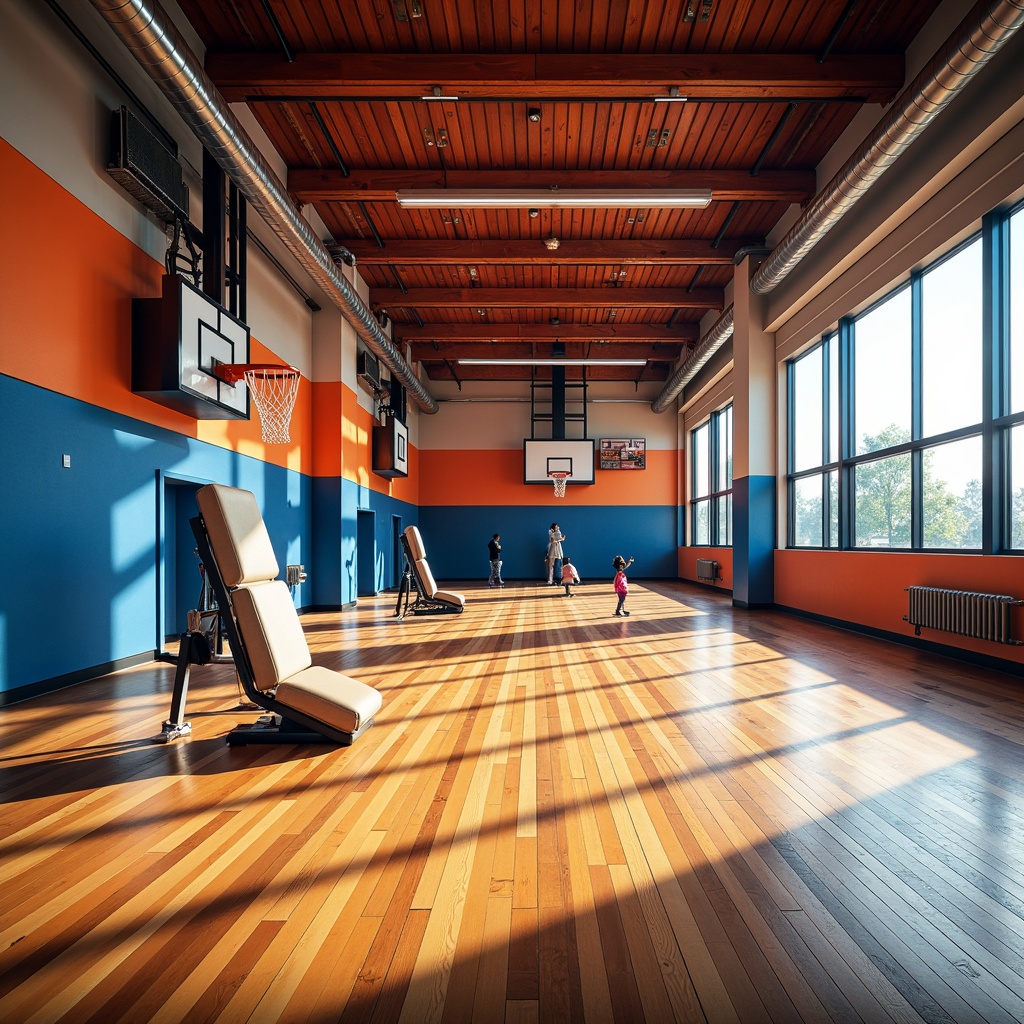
x: 621, y: 583
x: 569, y: 575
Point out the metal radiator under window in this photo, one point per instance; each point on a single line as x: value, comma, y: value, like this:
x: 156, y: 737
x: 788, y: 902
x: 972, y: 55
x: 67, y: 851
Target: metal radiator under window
x: 708, y: 569
x: 984, y: 616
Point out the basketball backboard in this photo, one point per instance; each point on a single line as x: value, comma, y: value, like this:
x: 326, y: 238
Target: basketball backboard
x: 176, y: 340
x: 543, y: 457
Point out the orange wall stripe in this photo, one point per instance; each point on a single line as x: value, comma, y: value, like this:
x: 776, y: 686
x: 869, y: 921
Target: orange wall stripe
x: 357, y: 453
x: 866, y: 587
x: 66, y: 315
x: 687, y: 562
x: 327, y: 427
x: 495, y: 477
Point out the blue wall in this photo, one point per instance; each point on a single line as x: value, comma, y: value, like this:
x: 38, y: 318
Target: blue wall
x: 456, y: 537
x: 80, y: 573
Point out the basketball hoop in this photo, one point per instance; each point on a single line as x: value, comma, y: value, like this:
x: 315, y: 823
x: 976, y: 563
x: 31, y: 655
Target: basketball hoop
x: 273, y: 388
x: 559, y: 479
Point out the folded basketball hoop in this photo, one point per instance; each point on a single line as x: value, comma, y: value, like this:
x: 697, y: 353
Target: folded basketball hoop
x: 559, y: 478
x: 273, y: 388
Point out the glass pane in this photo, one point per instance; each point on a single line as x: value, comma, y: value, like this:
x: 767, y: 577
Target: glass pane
x: 728, y: 468
x: 723, y: 506
x: 807, y: 411
x: 1017, y: 487
x: 1017, y: 312
x: 723, y: 471
x: 882, y: 503
x: 701, y: 459
x: 882, y: 375
x: 833, y: 509
x: 832, y: 455
x: 807, y: 512
x: 951, y: 325
x: 702, y: 522
x: 952, y: 494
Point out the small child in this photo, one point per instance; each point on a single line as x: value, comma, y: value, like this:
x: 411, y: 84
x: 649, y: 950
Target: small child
x: 621, y: 583
x: 569, y: 576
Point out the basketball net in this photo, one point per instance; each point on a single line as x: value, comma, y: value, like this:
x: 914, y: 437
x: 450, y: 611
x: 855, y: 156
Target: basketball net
x: 560, y: 480
x: 273, y: 389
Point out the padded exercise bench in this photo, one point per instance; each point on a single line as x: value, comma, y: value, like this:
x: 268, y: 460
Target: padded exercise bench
x: 307, y: 703
x: 429, y: 600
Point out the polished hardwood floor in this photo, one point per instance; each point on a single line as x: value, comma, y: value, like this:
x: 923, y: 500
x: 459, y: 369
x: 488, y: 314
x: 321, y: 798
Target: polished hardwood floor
x: 694, y: 814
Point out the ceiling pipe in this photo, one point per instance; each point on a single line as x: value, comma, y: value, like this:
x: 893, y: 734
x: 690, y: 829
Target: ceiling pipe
x: 977, y: 39
x: 717, y: 336
x: 156, y: 44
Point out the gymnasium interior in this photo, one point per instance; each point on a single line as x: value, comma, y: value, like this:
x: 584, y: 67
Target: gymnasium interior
x: 303, y: 303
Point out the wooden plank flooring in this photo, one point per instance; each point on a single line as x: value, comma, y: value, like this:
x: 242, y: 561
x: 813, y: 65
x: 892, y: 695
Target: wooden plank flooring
x: 694, y: 814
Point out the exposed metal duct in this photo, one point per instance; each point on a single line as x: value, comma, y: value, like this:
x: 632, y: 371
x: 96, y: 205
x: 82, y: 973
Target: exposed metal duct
x: 156, y: 44
x: 720, y: 333
x: 977, y: 39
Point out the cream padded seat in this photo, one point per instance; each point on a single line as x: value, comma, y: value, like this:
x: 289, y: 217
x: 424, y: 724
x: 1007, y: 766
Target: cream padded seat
x: 270, y: 649
x: 429, y: 599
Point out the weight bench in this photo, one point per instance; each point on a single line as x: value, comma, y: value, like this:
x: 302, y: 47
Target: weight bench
x: 429, y: 600
x: 307, y: 703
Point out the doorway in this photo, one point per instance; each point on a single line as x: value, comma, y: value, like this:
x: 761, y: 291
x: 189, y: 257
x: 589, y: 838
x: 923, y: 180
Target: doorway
x: 366, y: 553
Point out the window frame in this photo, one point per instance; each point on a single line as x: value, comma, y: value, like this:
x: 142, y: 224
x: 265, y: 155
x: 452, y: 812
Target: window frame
x: 716, y: 491
x: 995, y: 428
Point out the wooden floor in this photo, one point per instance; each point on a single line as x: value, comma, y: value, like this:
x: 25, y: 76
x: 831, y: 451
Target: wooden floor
x: 693, y: 814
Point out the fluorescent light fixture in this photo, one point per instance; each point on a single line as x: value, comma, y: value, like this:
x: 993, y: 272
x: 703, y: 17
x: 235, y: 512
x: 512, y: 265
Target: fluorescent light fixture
x: 438, y: 97
x: 552, y: 198
x: 552, y: 362
x: 672, y: 97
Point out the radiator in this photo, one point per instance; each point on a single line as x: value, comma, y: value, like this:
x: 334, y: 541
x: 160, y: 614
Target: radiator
x: 984, y: 616
x: 708, y: 569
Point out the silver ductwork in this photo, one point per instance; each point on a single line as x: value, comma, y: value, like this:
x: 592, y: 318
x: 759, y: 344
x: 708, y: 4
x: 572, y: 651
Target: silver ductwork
x: 720, y: 333
x: 977, y: 39
x: 156, y: 44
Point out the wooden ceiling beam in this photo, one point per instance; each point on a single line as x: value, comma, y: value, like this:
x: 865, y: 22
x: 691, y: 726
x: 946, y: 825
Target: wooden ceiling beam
x: 439, y: 370
x: 447, y: 252
x: 315, y: 185
x: 482, y: 333
x: 546, y: 298
x: 868, y: 77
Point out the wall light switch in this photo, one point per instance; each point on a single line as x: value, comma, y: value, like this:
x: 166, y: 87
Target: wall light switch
x: 65, y: 461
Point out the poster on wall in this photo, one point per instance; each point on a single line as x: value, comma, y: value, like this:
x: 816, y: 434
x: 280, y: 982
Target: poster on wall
x: 622, y: 453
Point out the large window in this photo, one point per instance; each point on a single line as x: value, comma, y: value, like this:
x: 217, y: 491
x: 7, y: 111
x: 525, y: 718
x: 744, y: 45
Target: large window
x: 711, y: 485
x: 898, y: 436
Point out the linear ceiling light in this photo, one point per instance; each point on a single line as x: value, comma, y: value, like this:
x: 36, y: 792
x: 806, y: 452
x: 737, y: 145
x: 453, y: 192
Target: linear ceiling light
x: 550, y: 198
x: 553, y: 362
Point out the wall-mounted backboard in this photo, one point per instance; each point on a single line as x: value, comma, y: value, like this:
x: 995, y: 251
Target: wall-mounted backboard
x: 175, y: 341
x: 542, y: 457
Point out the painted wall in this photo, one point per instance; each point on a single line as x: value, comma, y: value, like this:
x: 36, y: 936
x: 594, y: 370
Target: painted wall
x: 471, y: 486
x: 867, y: 588
x: 97, y: 559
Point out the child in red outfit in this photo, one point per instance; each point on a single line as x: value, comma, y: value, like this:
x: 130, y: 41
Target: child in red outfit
x: 621, y: 583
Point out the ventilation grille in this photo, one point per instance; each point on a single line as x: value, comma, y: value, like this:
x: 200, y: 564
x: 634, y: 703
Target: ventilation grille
x: 983, y: 616
x: 145, y: 168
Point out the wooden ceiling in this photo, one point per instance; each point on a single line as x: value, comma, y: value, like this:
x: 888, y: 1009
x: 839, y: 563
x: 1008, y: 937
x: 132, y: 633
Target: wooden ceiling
x: 355, y: 96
